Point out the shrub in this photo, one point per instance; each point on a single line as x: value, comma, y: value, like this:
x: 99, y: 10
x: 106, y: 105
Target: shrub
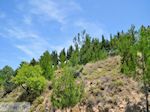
x: 66, y: 92
x: 30, y: 78
x: 36, y: 84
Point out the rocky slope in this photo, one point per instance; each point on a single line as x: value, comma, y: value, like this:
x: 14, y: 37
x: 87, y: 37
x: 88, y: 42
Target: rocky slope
x: 106, y: 90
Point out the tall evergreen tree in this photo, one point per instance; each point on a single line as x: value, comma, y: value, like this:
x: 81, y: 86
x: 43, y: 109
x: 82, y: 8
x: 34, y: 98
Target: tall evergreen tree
x: 46, y: 65
x: 132, y: 33
x: 54, y: 57
x: 95, y: 49
x: 103, y: 42
x: 111, y: 39
x: 75, y: 56
x: 144, y: 48
x: 33, y: 62
x: 62, y: 57
x: 118, y: 35
x: 85, y: 51
x: 69, y: 52
x: 128, y: 53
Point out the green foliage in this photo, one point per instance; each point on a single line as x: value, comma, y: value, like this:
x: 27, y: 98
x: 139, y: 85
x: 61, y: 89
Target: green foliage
x: 128, y: 52
x: 92, y: 50
x: 74, y: 60
x: 69, y: 52
x: 132, y: 33
x: 33, y: 62
x: 97, y: 52
x: 95, y: 48
x: 36, y: 84
x: 103, y: 41
x: 85, y: 51
x: 144, y: 48
x: 129, y: 48
x: 102, y: 55
x: 54, y: 57
x: 6, y: 74
x: 31, y: 77
x: 21, y: 64
x: 46, y: 65
x: 66, y: 91
x: 62, y: 57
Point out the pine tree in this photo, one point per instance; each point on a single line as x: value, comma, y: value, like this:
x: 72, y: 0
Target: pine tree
x: 75, y: 58
x: 95, y: 49
x: 62, y: 57
x: 111, y: 39
x: 69, y: 52
x: 66, y: 92
x: 128, y: 53
x: 33, y: 62
x: 46, y: 65
x: 85, y: 51
x: 118, y: 35
x: 144, y: 49
x: 54, y: 57
x: 103, y: 42
x: 132, y: 33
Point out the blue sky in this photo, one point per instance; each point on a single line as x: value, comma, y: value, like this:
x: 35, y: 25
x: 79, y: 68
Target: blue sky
x: 29, y: 27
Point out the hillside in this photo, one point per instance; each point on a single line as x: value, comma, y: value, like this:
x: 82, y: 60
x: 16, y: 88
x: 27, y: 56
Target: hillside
x: 106, y: 90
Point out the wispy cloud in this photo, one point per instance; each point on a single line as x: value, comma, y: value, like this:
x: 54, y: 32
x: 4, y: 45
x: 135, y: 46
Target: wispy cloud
x: 29, y: 42
x: 19, y: 33
x: 25, y: 50
x: 94, y: 28
x: 49, y: 10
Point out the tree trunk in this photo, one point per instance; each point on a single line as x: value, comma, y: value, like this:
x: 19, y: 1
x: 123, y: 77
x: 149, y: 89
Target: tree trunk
x: 146, y: 96
x: 27, y: 89
x: 145, y: 85
x: 147, y: 103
